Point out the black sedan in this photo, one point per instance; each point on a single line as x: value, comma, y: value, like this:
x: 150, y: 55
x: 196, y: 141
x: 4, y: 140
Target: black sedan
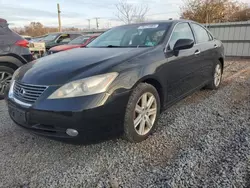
x: 119, y: 84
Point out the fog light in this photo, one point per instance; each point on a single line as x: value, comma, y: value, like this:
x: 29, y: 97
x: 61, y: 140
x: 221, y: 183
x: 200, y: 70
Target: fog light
x: 72, y: 132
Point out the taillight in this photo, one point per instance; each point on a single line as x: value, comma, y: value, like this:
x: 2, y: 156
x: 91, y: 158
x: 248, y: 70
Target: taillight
x: 22, y: 43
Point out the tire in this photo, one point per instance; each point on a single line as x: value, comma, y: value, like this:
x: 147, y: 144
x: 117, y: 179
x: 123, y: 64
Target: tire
x: 7, y: 71
x: 132, y: 132
x: 213, y: 85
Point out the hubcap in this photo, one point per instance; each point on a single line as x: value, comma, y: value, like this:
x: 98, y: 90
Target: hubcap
x: 217, y: 75
x: 5, y: 79
x: 145, y: 113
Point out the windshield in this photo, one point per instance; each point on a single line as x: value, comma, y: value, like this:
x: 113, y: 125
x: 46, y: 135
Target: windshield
x: 139, y: 35
x: 79, y: 40
x: 50, y: 37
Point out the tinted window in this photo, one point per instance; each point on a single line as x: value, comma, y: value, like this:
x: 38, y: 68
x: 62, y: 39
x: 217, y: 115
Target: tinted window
x: 63, y: 38
x: 181, y: 31
x: 201, y: 34
x: 73, y: 36
x: 4, y: 30
x: 139, y: 35
x: 1, y: 31
x: 66, y: 40
x: 79, y: 40
x: 50, y: 37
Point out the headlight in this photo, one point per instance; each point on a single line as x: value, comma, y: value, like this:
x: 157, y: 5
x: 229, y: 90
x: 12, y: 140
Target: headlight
x: 11, y: 91
x: 15, y: 74
x: 87, y: 86
x: 12, y: 83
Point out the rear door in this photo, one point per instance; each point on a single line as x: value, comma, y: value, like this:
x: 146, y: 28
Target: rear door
x: 182, y: 70
x: 207, y: 47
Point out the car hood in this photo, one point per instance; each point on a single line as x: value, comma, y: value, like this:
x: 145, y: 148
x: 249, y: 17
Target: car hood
x: 64, y: 47
x: 57, y: 69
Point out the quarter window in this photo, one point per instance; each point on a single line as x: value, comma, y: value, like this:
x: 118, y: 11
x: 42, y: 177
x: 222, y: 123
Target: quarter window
x: 201, y: 34
x: 181, y: 31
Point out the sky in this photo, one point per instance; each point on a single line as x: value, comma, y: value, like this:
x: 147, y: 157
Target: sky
x: 74, y: 13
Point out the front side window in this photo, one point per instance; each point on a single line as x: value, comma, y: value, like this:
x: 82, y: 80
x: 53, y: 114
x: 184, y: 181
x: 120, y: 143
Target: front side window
x: 66, y: 40
x: 50, y: 37
x: 138, y: 35
x: 63, y: 38
x: 201, y: 34
x: 181, y: 31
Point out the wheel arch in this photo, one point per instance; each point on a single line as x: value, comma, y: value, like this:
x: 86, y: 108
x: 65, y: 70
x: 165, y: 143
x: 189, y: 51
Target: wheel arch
x: 8, y: 64
x: 221, y: 59
x: 10, y: 61
x: 157, y: 85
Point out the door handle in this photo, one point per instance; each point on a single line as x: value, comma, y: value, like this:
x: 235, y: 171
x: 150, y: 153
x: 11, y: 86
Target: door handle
x: 197, y: 52
x: 215, y: 46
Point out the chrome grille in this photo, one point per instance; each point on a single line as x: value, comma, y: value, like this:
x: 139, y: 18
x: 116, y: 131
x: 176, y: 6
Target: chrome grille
x: 28, y: 93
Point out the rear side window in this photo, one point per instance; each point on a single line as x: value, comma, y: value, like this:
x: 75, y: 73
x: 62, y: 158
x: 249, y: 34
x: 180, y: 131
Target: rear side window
x: 1, y: 31
x: 181, y: 31
x: 73, y: 36
x: 201, y: 34
x: 4, y: 30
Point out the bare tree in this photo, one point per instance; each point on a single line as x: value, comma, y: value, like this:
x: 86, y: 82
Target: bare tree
x: 129, y: 13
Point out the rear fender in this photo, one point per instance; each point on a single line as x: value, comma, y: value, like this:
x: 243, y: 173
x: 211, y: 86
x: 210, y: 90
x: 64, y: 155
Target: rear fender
x: 10, y: 59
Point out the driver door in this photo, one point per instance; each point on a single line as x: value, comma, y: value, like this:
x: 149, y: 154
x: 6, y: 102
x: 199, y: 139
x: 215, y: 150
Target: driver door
x: 182, y: 69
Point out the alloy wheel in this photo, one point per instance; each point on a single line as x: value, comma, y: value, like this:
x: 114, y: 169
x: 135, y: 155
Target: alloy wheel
x: 217, y: 75
x: 5, y: 79
x: 145, y: 113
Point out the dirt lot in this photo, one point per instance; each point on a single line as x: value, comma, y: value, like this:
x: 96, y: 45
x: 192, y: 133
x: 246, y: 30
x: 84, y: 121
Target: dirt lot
x: 203, y: 141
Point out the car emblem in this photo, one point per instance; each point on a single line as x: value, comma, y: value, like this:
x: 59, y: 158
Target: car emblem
x: 21, y: 92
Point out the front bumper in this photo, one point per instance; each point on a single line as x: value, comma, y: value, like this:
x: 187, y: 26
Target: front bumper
x: 93, y: 118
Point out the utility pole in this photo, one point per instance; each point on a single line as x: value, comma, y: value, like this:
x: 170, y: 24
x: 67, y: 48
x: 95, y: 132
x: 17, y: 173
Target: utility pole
x: 89, y: 23
x: 59, y: 18
x: 97, y: 24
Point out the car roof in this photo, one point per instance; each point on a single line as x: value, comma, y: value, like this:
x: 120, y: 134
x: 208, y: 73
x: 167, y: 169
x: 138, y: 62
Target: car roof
x: 161, y: 21
x: 67, y: 32
x: 91, y: 35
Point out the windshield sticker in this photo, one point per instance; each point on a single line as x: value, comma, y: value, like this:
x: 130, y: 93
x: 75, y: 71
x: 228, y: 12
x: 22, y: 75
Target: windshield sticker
x: 148, y: 26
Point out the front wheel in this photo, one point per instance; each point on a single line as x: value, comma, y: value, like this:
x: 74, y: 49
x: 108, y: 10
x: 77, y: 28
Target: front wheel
x: 5, y: 78
x: 142, y: 113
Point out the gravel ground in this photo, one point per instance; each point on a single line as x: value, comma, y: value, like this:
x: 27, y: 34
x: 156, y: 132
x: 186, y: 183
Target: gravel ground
x: 203, y: 141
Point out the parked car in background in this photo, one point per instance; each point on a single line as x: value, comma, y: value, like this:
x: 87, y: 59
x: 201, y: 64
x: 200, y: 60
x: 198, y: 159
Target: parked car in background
x: 26, y: 37
x: 38, y: 39
x: 56, y: 39
x: 14, y: 52
x: 78, y: 42
x: 118, y: 84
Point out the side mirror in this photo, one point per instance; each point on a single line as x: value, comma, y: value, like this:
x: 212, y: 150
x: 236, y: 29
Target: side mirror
x: 183, y: 44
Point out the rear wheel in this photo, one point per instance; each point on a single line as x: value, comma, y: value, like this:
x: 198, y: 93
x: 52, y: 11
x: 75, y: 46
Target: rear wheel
x: 217, y: 77
x: 142, y: 113
x: 5, y: 78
